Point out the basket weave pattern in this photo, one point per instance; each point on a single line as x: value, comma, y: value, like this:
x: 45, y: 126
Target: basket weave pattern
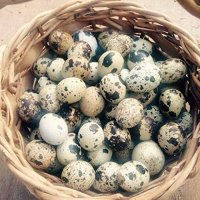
x: 94, y: 15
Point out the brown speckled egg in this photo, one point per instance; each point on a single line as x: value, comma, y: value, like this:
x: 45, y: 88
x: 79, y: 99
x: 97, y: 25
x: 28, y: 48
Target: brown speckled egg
x: 66, y: 91
x: 171, y: 103
x: 80, y: 49
x: 39, y: 154
x: 171, y: 138
x: 76, y: 67
x: 92, y: 103
x: 106, y: 177
x: 43, y: 82
x: 112, y: 88
x: 110, y: 111
x: 93, y: 77
x: 60, y: 41
x: 116, y: 137
x: 129, y: 113
x: 133, y: 176
x: 78, y: 175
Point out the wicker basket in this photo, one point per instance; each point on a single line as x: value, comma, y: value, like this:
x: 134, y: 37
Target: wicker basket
x: 29, y: 43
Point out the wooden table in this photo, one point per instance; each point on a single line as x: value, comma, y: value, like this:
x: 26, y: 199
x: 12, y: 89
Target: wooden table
x: 21, y: 11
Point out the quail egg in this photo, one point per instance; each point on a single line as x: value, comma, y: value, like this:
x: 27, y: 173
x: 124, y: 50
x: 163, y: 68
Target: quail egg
x: 143, y: 78
x: 78, y: 175
x: 139, y: 57
x: 100, y: 156
x: 116, y: 137
x: 40, y: 66
x: 92, y: 103
x: 150, y: 154
x: 66, y: 91
x: 91, y: 119
x: 171, y: 103
x: 39, y: 154
x: 54, y: 70
x: 43, y: 82
x: 80, y: 49
x: 171, y: 138
x: 60, y: 41
x: 35, y: 135
x: 112, y: 88
x: 110, y: 62
x: 129, y: 113
x: 124, y: 74
x: 106, y: 177
x: 53, y: 129
x: 133, y: 176
x: 90, y: 136
x: 93, y: 77
x: 110, y: 111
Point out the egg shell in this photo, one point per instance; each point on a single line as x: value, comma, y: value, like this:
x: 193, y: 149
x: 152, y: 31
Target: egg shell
x: 35, y: 135
x: 90, y: 136
x: 110, y: 111
x: 60, y: 41
x: 171, y: 138
x: 110, y: 62
x: 39, y: 154
x: 80, y: 49
x: 133, y: 176
x: 143, y: 78
x: 92, y: 103
x: 53, y: 129
x: 55, y: 167
x: 78, y: 175
x: 69, y: 151
x: 116, y: 137
x: 100, y: 156
x: 112, y: 88
x: 54, y: 70
x: 93, y: 77
x: 124, y: 74
x: 138, y: 57
x: 150, y: 154
x: 43, y: 82
x: 76, y: 67
x: 172, y: 70
x: 129, y: 113
x: 121, y: 43
x: 40, y: 66
x: 66, y: 92
x: 91, y: 119
x: 48, y: 98
x: 171, y: 103
x: 106, y: 177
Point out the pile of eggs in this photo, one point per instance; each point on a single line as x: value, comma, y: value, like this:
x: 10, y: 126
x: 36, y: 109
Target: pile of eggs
x: 104, y: 113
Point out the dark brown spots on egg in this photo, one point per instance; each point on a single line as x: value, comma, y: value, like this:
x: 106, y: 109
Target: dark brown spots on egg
x: 152, y: 79
x: 107, y: 62
x: 141, y: 169
x: 105, y: 151
x: 173, y: 141
x: 65, y: 179
x: 94, y: 128
x: 131, y: 176
x: 98, y: 175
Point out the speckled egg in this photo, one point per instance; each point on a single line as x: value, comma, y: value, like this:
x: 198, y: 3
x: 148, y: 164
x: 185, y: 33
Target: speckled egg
x: 54, y: 70
x: 60, y: 41
x: 88, y: 37
x: 172, y: 70
x: 133, y: 176
x: 150, y: 154
x: 48, y: 98
x: 116, y: 137
x: 129, y: 113
x: 66, y: 92
x: 40, y: 66
x: 43, y: 82
x: 93, y: 77
x: 76, y: 67
x: 39, y: 154
x: 80, y: 49
x: 110, y: 111
x: 72, y: 117
x: 53, y: 129
x: 171, y: 103
x: 141, y: 44
x: 171, y: 138
x: 100, y: 156
x: 91, y: 119
x: 124, y: 74
x: 139, y: 57
x: 121, y: 43
x: 110, y: 62
x: 91, y: 136
x: 55, y: 167
x: 35, y: 135
x: 112, y: 88
x: 92, y: 103
x: 78, y: 175
x: 143, y: 78
x: 69, y: 151
x: 106, y: 177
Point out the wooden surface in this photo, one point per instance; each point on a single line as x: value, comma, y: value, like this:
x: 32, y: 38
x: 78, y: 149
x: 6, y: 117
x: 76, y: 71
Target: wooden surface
x: 21, y: 11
